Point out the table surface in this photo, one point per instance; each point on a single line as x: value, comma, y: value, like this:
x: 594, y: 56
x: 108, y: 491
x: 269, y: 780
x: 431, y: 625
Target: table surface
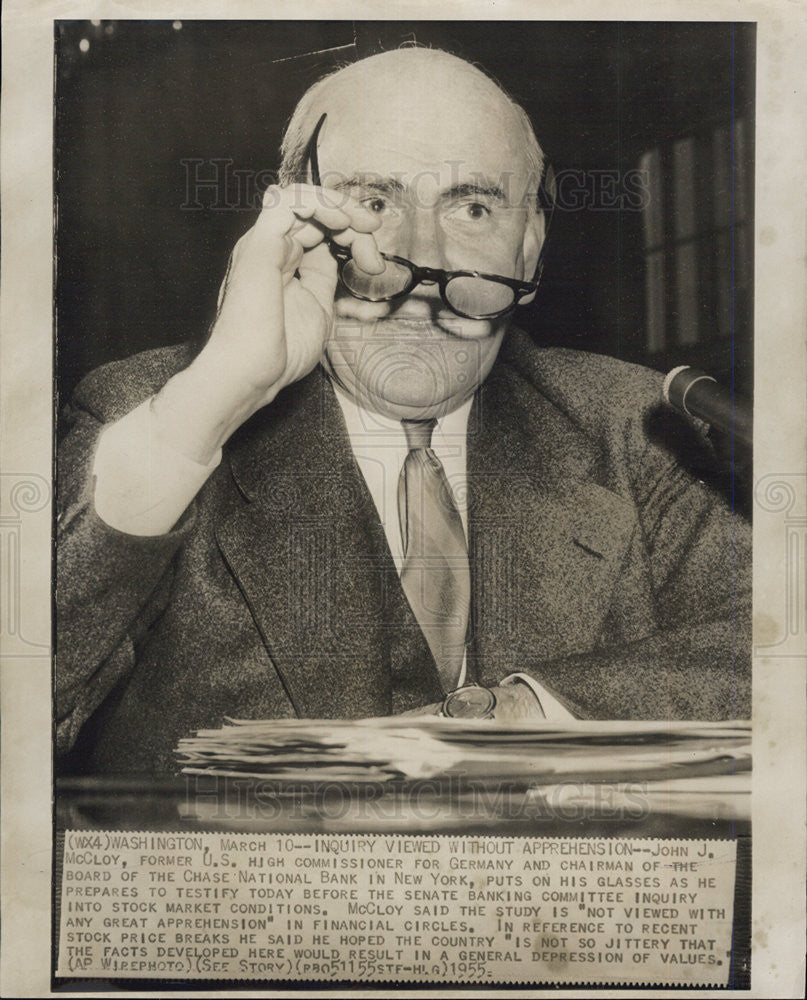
x: 196, y: 803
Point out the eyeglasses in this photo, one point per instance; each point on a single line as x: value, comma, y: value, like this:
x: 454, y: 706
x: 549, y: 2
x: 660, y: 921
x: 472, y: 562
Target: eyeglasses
x: 470, y: 294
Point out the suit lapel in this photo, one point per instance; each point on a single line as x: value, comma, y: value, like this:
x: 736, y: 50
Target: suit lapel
x: 546, y: 543
x: 311, y: 559
x: 546, y: 540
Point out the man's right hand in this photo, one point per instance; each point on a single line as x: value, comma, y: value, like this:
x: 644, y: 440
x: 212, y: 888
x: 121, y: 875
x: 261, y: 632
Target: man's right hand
x: 275, y: 312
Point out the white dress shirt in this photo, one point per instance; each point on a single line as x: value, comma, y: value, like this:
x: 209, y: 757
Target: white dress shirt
x: 379, y: 447
x: 143, y: 485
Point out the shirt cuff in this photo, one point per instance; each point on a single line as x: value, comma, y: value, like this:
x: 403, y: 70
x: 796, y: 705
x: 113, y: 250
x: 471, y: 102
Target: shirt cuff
x: 142, y: 484
x: 550, y: 706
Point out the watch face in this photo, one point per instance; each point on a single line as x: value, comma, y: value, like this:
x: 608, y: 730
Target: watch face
x: 470, y: 702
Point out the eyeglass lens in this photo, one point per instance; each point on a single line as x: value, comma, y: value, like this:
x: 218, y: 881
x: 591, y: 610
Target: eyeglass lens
x: 473, y: 296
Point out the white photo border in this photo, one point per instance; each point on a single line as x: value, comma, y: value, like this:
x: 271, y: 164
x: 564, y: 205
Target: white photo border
x: 26, y: 329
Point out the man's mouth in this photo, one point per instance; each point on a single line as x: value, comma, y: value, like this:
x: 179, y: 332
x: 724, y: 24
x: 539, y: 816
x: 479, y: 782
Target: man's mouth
x: 419, y: 328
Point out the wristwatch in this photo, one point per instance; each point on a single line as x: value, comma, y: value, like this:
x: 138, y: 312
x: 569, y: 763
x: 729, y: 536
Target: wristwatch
x: 471, y: 701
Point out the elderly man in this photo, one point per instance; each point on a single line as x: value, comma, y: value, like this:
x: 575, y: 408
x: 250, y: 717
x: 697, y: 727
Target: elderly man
x: 369, y: 494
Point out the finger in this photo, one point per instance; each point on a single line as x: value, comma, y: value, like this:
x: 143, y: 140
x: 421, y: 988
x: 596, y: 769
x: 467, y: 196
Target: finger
x: 278, y: 237
x: 361, y: 218
x: 284, y: 208
x: 304, y: 214
x: 333, y: 209
x: 364, y: 249
x: 317, y: 271
x: 307, y: 202
x: 363, y: 245
x: 308, y: 198
x: 308, y: 234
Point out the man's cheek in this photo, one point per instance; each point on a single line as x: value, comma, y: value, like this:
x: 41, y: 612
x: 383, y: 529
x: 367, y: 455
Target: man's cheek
x: 505, y: 253
x: 505, y: 260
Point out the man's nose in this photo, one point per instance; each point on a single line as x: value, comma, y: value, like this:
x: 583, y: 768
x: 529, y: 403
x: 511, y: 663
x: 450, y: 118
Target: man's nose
x: 421, y: 240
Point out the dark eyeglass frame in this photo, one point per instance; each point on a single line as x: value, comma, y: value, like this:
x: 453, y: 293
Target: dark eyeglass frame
x: 438, y: 276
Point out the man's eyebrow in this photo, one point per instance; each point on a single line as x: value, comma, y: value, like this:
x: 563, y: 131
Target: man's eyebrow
x: 474, y: 189
x: 392, y: 185
x: 378, y: 185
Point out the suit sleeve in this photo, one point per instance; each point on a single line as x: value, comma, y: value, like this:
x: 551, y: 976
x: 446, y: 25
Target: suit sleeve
x: 695, y: 662
x: 110, y: 585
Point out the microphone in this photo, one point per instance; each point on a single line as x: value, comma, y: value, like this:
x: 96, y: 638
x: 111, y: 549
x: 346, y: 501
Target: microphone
x: 696, y: 394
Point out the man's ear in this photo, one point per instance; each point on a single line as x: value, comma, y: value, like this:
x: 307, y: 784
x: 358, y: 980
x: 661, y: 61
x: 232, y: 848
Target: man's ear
x: 534, y: 236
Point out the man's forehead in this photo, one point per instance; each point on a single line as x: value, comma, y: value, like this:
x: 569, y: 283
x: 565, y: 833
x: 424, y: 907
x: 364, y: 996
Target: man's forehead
x: 406, y: 143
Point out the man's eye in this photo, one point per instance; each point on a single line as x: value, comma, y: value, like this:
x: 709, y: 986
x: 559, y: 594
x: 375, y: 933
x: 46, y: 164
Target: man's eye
x: 376, y: 205
x: 471, y: 211
x: 477, y: 211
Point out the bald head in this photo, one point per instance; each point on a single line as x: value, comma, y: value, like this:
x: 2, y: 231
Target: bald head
x: 403, y: 93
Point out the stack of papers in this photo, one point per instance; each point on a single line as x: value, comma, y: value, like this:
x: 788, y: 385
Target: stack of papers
x: 415, y: 748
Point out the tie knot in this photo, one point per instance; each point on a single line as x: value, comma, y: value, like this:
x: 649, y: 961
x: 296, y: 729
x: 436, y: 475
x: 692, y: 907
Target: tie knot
x: 418, y: 432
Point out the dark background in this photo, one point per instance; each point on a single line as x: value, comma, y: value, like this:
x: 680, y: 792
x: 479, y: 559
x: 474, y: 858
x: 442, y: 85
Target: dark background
x: 138, y: 266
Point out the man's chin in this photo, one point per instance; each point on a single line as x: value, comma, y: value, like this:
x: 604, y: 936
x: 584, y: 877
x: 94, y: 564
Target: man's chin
x: 408, y: 403
x: 408, y: 368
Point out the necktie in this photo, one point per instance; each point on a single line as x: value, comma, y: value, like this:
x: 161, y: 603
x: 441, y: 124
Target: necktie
x: 435, y: 576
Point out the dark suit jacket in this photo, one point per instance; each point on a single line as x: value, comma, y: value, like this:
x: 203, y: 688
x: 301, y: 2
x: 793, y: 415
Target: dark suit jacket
x: 618, y: 579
